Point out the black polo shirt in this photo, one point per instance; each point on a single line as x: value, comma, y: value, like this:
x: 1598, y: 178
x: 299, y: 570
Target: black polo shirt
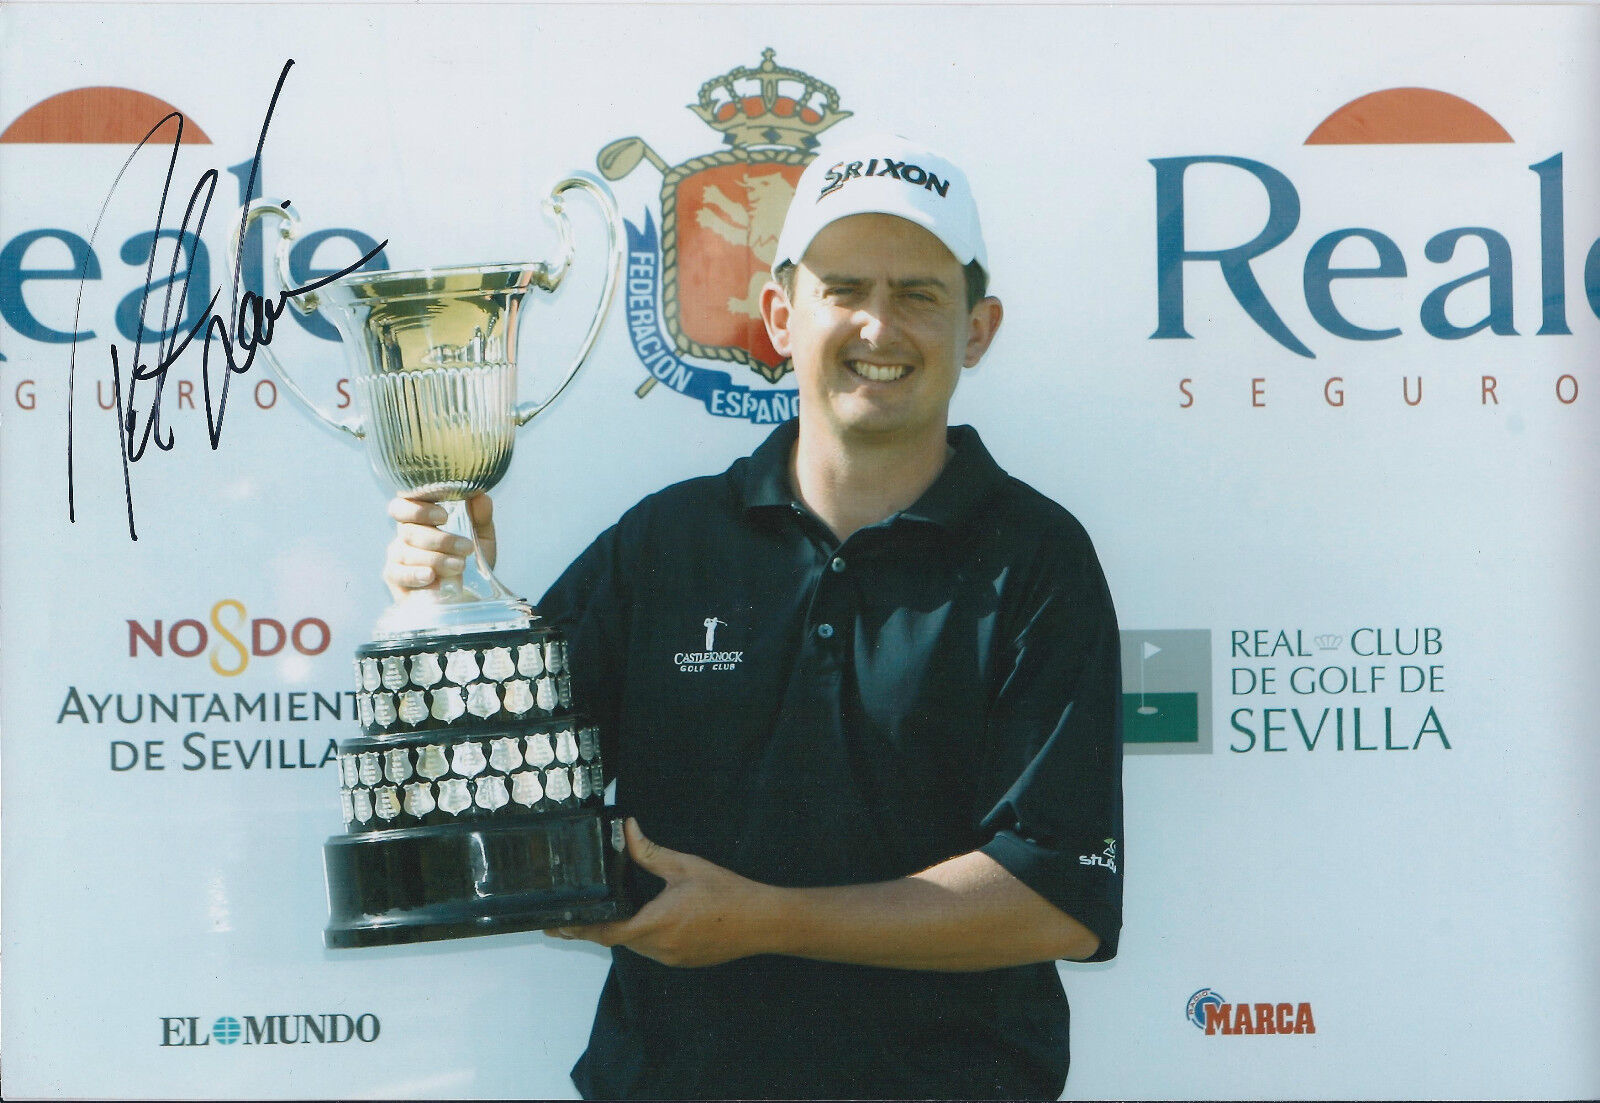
x: 805, y: 712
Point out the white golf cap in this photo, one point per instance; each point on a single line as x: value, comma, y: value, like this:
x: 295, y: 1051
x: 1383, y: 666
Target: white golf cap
x: 883, y: 174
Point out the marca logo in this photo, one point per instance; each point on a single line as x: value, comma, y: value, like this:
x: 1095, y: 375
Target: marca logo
x: 270, y: 1030
x: 231, y: 654
x: 1211, y: 1013
x: 693, y: 294
x: 124, y: 117
x: 694, y: 662
x: 1449, y: 311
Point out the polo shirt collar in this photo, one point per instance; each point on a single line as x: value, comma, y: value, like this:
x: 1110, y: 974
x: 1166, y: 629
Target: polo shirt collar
x: 766, y: 476
x: 966, y: 481
x: 969, y: 479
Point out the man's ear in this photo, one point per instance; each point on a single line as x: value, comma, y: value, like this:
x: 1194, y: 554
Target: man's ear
x: 775, y: 313
x: 982, y: 324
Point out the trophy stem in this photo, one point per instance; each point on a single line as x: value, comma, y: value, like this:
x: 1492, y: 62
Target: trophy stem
x: 477, y: 581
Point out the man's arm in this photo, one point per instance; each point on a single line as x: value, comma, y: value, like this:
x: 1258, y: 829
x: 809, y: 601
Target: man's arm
x: 964, y: 914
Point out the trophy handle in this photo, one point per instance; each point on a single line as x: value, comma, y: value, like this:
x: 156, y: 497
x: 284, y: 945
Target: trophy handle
x: 288, y: 230
x: 580, y: 181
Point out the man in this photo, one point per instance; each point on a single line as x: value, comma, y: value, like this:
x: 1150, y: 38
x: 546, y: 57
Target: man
x: 867, y: 824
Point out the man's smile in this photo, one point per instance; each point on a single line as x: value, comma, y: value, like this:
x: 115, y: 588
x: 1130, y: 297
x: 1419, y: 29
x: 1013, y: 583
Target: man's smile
x: 878, y: 373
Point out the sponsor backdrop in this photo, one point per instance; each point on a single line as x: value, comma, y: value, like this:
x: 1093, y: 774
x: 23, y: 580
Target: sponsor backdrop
x: 1303, y: 312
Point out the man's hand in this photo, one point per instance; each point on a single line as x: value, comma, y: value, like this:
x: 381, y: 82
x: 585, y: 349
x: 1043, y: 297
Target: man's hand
x: 421, y: 553
x: 705, y: 916
x: 964, y: 914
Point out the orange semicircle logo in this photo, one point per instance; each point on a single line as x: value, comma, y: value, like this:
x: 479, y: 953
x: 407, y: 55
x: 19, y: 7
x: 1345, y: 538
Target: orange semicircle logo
x: 101, y: 115
x: 1407, y: 116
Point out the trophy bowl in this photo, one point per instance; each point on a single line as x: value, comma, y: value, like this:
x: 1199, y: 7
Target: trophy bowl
x: 473, y: 799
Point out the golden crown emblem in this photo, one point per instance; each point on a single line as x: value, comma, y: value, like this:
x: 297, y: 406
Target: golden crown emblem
x: 768, y: 106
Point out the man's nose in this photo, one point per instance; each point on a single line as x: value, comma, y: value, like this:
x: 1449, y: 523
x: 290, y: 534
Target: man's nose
x: 875, y: 319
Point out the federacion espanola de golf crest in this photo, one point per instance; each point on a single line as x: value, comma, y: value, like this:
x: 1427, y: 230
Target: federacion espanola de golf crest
x: 693, y: 292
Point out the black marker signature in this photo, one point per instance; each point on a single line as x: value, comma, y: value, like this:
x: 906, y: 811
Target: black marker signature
x: 254, y: 319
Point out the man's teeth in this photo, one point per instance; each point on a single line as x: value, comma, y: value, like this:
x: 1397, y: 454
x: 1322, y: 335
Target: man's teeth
x: 879, y: 373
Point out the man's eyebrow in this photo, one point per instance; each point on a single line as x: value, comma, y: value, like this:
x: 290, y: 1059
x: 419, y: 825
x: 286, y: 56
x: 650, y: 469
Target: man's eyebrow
x: 910, y: 282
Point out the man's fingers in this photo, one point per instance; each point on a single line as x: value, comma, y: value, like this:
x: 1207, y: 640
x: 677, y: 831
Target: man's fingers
x: 412, y: 511
x: 421, y: 553
x: 652, y: 856
x: 401, y: 573
x: 428, y: 538
x: 403, y: 577
x: 481, y: 510
x: 402, y: 554
x: 416, y: 512
x: 605, y: 934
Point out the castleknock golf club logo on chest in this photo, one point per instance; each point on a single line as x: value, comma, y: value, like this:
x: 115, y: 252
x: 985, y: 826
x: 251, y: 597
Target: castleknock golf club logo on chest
x: 711, y: 658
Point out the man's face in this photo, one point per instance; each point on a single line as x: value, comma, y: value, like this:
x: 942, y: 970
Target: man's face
x: 878, y: 329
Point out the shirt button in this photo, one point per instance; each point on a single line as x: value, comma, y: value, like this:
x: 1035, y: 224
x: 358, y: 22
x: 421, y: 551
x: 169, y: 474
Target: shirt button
x: 825, y: 631
x: 837, y: 564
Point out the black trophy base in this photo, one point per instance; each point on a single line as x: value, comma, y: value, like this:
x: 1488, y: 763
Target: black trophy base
x: 421, y: 884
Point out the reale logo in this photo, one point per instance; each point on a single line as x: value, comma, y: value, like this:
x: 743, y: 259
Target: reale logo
x: 1395, y: 116
x: 123, y: 117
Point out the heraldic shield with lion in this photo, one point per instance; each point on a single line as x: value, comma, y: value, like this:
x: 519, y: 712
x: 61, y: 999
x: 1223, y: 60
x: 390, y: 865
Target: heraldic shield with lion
x: 693, y: 294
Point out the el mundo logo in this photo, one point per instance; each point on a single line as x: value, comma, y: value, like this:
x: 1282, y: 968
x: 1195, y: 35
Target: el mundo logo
x: 693, y: 292
x: 1454, y: 307
x: 327, y: 1028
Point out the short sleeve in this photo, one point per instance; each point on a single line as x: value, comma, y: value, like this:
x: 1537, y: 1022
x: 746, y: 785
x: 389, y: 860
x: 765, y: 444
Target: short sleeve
x: 1055, y: 738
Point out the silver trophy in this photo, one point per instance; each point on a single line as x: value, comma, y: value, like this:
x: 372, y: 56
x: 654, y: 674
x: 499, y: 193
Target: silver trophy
x: 473, y: 800
x: 433, y: 356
